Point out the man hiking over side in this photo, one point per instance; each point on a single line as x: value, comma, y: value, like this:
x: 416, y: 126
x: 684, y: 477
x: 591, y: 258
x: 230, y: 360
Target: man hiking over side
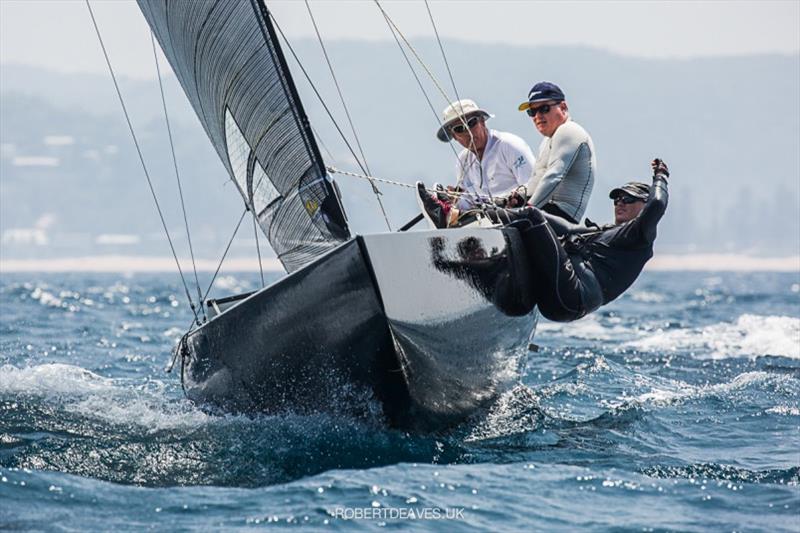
x: 575, y: 269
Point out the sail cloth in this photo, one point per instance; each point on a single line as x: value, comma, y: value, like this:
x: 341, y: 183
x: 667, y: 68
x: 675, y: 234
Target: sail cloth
x: 227, y: 58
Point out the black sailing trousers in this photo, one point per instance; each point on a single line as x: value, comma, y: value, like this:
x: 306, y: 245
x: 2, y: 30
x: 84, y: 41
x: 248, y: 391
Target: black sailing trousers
x: 564, y: 288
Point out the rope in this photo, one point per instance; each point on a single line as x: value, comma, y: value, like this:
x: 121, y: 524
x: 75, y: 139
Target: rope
x: 228, y: 247
x: 141, y: 160
x: 334, y: 170
x: 178, y: 350
x: 479, y: 198
x: 375, y: 190
x: 177, y: 173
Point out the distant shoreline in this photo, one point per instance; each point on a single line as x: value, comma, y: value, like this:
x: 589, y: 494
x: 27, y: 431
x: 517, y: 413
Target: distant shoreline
x: 132, y: 264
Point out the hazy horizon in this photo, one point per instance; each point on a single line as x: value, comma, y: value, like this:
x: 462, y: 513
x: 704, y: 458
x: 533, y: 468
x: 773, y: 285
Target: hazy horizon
x: 63, y: 134
x: 59, y: 34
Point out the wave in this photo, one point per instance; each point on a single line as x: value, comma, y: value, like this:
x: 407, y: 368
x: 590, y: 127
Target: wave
x: 78, y: 391
x: 668, y: 392
x: 587, y: 328
x: 750, y: 336
x: 52, y: 379
x: 725, y: 473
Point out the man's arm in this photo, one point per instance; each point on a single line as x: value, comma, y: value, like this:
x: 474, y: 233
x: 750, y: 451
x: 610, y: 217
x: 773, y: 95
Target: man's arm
x: 642, y: 229
x: 657, y: 202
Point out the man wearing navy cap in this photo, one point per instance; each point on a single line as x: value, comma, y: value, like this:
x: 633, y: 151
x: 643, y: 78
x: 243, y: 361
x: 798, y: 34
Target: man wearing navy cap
x: 564, y: 172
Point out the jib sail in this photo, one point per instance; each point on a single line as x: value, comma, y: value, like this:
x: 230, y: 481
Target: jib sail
x: 227, y: 58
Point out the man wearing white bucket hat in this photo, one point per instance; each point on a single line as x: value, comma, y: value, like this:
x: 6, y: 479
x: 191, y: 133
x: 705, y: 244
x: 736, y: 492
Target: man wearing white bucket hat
x: 492, y: 165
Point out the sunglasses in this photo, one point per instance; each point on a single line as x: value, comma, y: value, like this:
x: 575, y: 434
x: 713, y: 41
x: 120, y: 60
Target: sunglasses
x: 627, y: 200
x: 543, y: 109
x: 460, y: 128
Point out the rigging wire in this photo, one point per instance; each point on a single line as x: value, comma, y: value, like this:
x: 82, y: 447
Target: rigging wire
x: 177, y: 173
x: 416, y: 77
x: 375, y: 189
x: 318, y: 95
x: 441, y: 48
x: 258, y: 251
x: 141, y: 160
x: 458, y: 98
x: 225, y: 253
x: 396, y: 31
x: 413, y: 51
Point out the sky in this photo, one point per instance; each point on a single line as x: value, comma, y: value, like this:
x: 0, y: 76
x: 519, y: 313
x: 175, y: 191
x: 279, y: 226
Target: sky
x: 58, y: 34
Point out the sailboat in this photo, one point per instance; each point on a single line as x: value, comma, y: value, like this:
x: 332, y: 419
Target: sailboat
x: 426, y: 322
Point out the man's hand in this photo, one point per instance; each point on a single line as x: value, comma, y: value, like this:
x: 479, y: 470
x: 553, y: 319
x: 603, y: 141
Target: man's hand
x: 518, y: 197
x: 453, y: 194
x: 659, y: 167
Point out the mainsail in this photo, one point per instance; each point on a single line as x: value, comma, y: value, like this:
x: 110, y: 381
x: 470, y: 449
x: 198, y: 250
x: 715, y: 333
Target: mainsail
x: 227, y: 58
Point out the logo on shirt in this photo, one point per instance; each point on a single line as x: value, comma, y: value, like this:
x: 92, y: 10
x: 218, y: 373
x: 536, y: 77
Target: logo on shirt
x: 519, y: 162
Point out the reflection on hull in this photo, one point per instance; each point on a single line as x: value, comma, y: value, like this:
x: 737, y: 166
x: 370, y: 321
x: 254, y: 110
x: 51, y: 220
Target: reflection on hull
x: 428, y: 323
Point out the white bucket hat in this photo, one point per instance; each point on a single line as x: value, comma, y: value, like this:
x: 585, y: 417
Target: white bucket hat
x: 454, y: 112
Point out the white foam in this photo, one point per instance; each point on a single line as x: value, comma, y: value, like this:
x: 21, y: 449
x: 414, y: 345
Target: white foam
x: 52, y: 379
x: 150, y: 412
x: 670, y: 392
x: 750, y: 336
x: 647, y: 296
x: 784, y: 410
x: 588, y: 328
x: 112, y: 401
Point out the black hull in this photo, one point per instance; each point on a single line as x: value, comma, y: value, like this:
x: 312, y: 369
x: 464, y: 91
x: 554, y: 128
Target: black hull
x: 427, y: 322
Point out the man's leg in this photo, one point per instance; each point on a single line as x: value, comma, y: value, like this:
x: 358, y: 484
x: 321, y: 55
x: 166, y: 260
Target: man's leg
x: 558, y: 289
x: 554, y: 210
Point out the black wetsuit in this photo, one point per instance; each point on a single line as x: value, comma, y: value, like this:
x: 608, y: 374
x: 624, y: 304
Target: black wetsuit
x: 577, y: 268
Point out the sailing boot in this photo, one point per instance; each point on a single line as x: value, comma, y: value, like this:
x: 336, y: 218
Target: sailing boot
x: 434, y: 209
x: 441, y: 192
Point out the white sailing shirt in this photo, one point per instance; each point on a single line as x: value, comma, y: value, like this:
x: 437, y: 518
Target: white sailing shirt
x: 507, y: 163
x: 564, y: 173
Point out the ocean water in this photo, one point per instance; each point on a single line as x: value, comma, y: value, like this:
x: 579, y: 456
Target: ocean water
x: 676, y: 407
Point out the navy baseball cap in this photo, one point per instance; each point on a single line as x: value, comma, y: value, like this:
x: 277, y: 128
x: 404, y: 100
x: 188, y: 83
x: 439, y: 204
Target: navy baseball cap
x: 636, y: 189
x: 542, y: 92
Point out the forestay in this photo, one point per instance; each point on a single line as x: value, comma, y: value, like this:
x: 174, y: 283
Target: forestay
x: 230, y: 65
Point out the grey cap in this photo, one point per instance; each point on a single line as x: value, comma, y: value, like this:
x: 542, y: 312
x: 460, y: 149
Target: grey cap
x: 637, y: 189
